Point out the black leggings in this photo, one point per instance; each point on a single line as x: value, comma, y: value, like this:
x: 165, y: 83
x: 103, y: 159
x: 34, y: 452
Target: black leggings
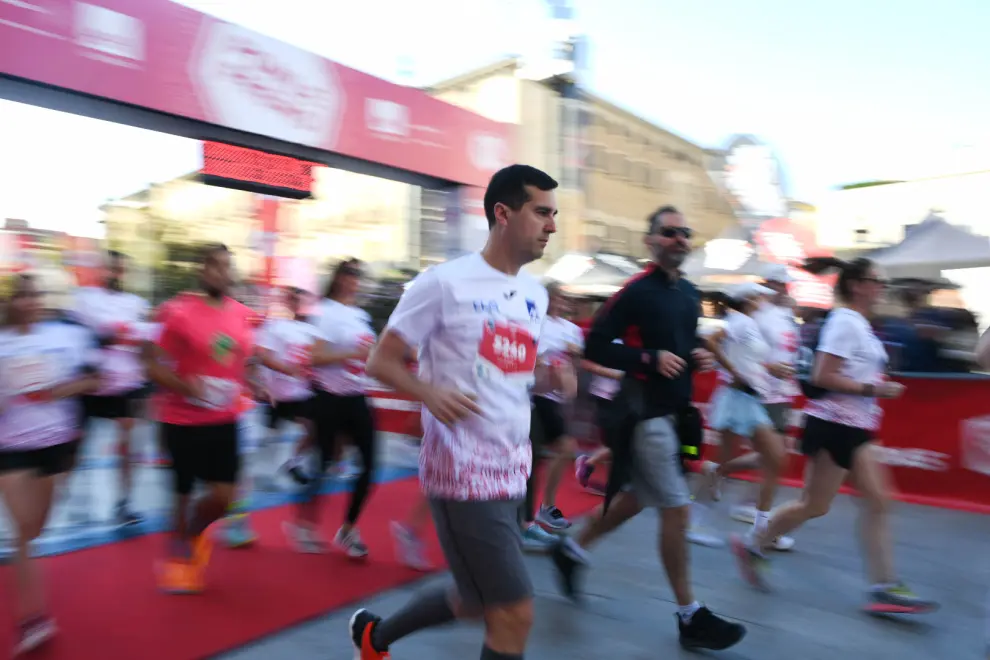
x: 337, y: 415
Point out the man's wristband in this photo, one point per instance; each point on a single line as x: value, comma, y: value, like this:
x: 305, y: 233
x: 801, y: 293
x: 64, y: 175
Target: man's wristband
x: 650, y: 360
x: 869, y: 389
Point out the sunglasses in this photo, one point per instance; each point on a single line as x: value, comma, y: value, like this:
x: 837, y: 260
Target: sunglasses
x: 27, y: 294
x: 351, y: 270
x: 875, y: 280
x: 674, y: 232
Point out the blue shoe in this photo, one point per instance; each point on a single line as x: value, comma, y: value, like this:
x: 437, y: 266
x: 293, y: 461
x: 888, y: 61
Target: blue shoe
x: 238, y: 533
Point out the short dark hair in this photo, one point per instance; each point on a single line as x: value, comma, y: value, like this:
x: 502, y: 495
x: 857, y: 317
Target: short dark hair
x: 210, y: 251
x: 653, y: 220
x: 508, y: 186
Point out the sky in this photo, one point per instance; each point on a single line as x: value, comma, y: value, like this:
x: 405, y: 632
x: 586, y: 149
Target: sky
x: 844, y: 91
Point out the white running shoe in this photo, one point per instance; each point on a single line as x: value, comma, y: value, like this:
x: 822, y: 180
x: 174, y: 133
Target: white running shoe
x: 745, y: 513
x: 704, y: 537
x: 351, y: 543
x: 712, y: 480
x: 783, y: 544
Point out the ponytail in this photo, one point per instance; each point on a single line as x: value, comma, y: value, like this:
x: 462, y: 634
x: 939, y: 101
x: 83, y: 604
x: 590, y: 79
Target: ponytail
x: 849, y: 271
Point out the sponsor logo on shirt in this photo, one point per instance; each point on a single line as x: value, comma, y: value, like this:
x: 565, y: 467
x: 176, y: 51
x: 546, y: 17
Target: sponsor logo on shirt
x: 534, y: 312
x: 486, y: 307
x: 222, y: 347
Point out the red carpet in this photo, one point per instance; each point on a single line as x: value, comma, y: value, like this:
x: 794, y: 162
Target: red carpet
x: 108, y: 607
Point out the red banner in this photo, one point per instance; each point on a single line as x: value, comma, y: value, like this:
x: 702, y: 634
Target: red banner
x: 935, y: 439
x: 161, y: 55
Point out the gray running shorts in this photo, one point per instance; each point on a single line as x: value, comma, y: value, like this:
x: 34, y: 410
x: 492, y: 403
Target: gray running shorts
x: 779, y: 414
x: 483, y: 547
x: 657, y: 477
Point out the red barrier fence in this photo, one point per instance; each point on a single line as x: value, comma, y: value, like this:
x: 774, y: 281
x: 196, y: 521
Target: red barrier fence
x: 936, y: 438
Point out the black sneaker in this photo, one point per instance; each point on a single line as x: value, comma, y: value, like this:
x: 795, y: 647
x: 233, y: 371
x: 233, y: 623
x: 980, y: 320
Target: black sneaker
x: 570, y: 568
x: 361, y: 627
x: 298, y: 475
x: 707, y: 631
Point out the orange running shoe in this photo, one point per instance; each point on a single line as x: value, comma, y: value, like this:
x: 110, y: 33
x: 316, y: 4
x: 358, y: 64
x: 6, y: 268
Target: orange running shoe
x: 202, y: 548
x: 179, y: 577
x: 361, y: 625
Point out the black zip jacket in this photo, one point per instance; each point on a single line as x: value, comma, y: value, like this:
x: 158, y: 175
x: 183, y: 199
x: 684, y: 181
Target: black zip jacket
x: 650, y: 314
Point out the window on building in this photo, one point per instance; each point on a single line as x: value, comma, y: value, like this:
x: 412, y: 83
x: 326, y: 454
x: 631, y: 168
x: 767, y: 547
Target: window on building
x: 861, y: 235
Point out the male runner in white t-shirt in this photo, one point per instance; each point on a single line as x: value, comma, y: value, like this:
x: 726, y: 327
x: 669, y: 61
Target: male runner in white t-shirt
x: 476, y: 321
x: 118, y: 319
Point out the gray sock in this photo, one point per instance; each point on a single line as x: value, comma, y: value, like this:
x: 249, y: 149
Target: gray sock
x: 426, y: 610
x: 488, y: 654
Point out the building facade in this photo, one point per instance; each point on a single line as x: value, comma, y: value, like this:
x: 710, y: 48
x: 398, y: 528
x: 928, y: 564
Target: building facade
x: 349, y: 215
x: 615, y: 168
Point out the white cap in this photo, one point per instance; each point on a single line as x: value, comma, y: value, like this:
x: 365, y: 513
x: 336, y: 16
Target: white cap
x: 777, y: 273
x: 747, y: 290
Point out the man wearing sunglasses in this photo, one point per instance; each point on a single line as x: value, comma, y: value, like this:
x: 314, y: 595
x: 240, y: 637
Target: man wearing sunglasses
x: 656, y: 317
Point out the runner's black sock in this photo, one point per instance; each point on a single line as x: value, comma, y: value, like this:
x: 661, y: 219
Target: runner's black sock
x: 426, y: 610
x: 488, y: 654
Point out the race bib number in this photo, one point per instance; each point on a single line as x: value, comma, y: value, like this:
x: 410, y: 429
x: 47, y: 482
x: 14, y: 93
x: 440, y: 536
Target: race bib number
x: 218, y: 393
x: 127, y: 336
x: 301, y: 354
x: 508, y: 347
x: 27, y: 373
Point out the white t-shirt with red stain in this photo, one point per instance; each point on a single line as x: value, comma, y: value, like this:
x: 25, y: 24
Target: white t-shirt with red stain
x: 122, y: 318
x: 557, y: 337
x: 31, y: 365
x: 345, y: 328
x: 291, y: 342
x: 477, y: 330
x: 848, y: 335
x: 780, y: 331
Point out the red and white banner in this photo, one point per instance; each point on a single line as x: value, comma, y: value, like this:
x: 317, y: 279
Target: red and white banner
x: 935, y: 439
x: 161, y: 55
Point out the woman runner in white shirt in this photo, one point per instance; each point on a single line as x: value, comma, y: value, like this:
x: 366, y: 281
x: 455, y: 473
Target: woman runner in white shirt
x: 44, y: 368
x: 838, y: 440
x: 341, y: 407
x: 737, y: 411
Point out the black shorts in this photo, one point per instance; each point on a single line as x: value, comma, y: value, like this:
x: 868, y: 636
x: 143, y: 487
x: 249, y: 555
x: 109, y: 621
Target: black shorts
x: 290, y: 410
x: 839, y: 440
x: 46, y: 462
x: 113, y: 406
x: 206, y: 453
x: 347, y: 415
x: 603, y: 409
x: 549, y: 415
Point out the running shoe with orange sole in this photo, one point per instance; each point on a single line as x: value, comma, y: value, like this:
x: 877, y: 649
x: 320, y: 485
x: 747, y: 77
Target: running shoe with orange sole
x: 202, y: 549
x: 361, y: 627
x: 179, y: 577
x: 898, y: 599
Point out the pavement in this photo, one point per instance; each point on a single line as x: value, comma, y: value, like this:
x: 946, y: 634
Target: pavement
x: 628, y: 612
x: 813, y: 613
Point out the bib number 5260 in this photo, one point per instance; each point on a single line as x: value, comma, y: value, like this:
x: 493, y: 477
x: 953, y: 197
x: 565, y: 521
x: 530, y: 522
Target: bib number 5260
x: 509, y: 348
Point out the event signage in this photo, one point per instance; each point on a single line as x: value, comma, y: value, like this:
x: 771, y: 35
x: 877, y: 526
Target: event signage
x: 164, y: 56
x: 935, y: 439
x: 256, y: 171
